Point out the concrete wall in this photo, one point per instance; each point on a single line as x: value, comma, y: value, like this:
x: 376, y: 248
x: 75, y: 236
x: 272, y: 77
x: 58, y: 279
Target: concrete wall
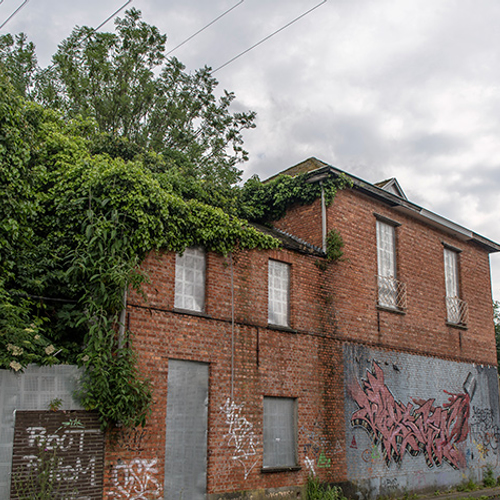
x: 417, y: 423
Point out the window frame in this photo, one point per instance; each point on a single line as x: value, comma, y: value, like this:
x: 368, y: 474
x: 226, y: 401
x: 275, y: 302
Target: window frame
x: 272, y: 434
x: 182, y: 268
x: 456, y: 307
x: 390, y: 292
x: 276, y: 317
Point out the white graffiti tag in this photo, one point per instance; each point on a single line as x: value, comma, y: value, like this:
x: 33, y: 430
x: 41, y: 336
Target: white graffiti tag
x: 135, y: 480
x: 240, y: 436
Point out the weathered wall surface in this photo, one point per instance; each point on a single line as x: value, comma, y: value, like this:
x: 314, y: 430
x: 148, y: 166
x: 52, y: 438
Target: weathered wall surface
x: 247, y: 362
x: 31, y: 390
x: 64, y: 448
x: 418, y: 423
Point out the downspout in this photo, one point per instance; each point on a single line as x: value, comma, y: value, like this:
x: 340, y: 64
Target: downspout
x: 323, y: 217
x: 232, y: 327
x: 123, y: 312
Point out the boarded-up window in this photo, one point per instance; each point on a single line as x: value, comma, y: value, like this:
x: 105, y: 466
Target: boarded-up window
x: 280, y: 432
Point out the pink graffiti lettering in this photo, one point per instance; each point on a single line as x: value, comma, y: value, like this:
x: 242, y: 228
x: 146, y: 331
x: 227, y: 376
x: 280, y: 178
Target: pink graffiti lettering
x: 432, y: 430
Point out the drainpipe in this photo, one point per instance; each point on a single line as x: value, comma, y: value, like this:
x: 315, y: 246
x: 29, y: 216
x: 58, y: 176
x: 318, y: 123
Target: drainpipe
x: 320, y: 178
x: 123, y: 312
x: 323, y: 216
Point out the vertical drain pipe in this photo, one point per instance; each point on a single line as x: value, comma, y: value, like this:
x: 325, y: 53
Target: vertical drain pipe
x: 323, y: 216
x: 121, y: 328
x: 232, y: 327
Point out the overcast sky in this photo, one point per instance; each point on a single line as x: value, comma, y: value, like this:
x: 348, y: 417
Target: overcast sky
x: 401, y: 88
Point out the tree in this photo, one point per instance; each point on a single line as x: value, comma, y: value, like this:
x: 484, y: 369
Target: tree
x: 124, y: 81
x: 75, y: 228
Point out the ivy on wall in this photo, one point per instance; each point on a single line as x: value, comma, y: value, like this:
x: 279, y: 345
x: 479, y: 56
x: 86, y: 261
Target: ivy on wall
x: 78, y: 223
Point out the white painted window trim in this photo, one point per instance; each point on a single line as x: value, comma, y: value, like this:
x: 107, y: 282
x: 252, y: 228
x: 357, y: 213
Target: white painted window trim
x: 190, y: 270
x: 278, y: 293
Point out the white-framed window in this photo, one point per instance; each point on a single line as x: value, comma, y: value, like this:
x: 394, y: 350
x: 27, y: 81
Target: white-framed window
x: 190, y: 280
x: 278, y: 293
x: 386, y: 264
x: 280, y: 432
x: 391, y: 292
x: 455, y: 307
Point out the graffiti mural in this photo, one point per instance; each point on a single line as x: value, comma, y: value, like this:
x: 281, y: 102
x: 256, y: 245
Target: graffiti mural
x: 135, y: 480
x: 317, y: 449
x: 415, y: 427
x: 484, y: 430
x: 241, y: 436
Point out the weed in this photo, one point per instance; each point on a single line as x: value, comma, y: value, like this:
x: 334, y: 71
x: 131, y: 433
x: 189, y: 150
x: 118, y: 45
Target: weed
x: 488, y: 479
x: 470, y: 485
x: 319, y: 491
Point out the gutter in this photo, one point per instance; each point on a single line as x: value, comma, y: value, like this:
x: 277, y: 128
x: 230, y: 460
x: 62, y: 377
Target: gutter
x: 406, y: 207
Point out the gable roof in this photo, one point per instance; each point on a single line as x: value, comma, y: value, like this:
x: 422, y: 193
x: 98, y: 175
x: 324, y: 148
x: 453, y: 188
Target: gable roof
x: 317, y: 170
x: 392, y: 186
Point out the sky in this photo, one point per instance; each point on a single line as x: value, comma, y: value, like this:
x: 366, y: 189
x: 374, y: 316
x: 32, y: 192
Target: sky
x: 407, y: 89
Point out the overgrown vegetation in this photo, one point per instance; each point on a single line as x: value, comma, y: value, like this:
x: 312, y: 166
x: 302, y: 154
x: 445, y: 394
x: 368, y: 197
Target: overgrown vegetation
x: 489, y: 480
x: 89, y: 188
x: 319, y: 491
x: 42, y: 479
x: 334, y: 246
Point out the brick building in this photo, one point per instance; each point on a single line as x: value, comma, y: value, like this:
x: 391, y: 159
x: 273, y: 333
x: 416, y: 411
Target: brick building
x: 377, y: 371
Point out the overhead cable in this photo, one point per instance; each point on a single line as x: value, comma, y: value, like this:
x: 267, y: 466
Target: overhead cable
x: 112, y: 15
x: 14, y: 13
x: 204, y: 27
x: 268, y: 37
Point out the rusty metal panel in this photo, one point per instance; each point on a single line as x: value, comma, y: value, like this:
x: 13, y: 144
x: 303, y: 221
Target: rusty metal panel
x: 31, y: 390
x: 61, y: 452
x: 186, y: 434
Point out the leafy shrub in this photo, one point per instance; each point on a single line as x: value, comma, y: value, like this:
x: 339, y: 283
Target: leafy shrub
x: 319, y: 491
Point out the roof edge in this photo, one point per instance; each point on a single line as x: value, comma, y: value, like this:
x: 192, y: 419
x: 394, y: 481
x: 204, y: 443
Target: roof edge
x: 405, y: 206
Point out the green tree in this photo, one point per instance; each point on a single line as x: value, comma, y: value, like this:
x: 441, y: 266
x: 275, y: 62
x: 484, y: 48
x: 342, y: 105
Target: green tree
x: 125, y: 82
x: 75, y: 228
x: 19, y: 62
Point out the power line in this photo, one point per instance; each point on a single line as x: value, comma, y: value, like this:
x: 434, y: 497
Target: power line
x: 112, y: 15
x: 204, y: 27
x: 14, y: 13
x: 268, y: 37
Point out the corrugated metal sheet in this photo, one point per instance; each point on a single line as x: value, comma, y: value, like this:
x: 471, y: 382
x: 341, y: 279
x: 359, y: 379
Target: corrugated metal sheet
x: 31, y: 390
x: 186, y: 434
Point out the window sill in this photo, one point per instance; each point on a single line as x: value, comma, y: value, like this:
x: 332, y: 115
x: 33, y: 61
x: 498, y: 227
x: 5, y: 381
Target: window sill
x: 391, y: 309
x: 191, y: 313
x: 457, y: 326
x: 281, y: 328
x: 291, y: 468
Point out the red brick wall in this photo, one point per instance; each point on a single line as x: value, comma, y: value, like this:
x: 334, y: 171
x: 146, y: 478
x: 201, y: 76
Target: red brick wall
x: 328, y: 307
x: 420, y: 265
x: 303, y: 363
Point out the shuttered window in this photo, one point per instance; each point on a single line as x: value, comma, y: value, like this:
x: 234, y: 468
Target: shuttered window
x: 280, y: 432
x: 190, y: 280
x: 279, y: 293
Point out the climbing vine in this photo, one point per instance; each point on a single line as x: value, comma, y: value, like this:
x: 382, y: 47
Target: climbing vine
x: 268, y: 201
x: 80, y: 220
